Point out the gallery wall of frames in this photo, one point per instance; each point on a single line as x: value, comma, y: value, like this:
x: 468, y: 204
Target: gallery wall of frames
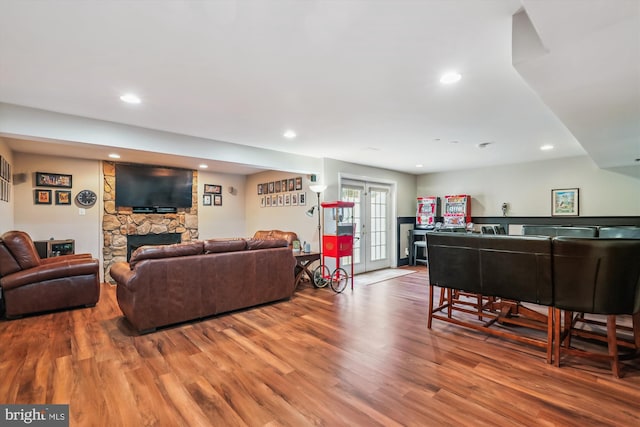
x: 284, y: 192
x: 5, y: 179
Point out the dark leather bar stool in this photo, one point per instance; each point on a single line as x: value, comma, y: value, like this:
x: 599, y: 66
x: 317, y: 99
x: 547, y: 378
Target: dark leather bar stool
x: 596, y: 276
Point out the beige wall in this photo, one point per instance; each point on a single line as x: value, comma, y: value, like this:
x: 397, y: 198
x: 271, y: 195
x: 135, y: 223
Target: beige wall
x: 228, y: 220
x: 6, y: 208
x: 59, y: 221
x: 286, y: 218
x: 526, y: 187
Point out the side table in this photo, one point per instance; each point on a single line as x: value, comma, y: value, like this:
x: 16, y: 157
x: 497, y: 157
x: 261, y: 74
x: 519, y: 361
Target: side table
x: 303, y: 261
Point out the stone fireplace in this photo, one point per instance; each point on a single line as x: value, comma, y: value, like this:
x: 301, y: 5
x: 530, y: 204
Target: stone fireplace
x: 119, y: 225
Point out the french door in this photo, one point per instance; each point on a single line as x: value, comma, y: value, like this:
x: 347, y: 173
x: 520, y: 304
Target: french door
x: 372, y: 219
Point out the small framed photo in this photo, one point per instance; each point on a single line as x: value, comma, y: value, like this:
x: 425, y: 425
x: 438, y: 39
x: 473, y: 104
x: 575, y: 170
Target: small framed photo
x: 63, y: 197
x: 298, y: 183
x: 565, y: 202
x: 283, y: 183
x: 302, y: 199
x: 44, y: 179
x: 217, y: 200
x: 280, y: 200
x: 272, y: 187
x: 206, y: 200
x: 265, y: 188
x: 294, y: 199
x: 287, y: 199
x: 42, y: 197
x: 291, y: 184
x: 277, y: 187
x: 274, y: 200
x: 267, y: 201
x: 262, y: 202
x: 212, y: 189
x: 260, y: 189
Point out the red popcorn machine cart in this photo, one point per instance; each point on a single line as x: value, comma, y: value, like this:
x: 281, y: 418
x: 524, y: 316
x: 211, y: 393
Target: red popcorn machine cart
x: 337, y: 243
x: 457, y: 210
x: 428, y: 208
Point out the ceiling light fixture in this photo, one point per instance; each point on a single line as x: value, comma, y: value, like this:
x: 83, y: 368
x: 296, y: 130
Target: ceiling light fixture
x: 289, y: 134
x: 484, y: 144
x: 203, y: 166
x: 546, y: 147
x: 450, y: 77
x: 419, y: 165
x: 130, y: 98
x: 114, y: 156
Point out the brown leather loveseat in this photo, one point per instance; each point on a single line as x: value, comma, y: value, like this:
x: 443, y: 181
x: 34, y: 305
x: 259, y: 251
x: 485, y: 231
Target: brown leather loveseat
x: 31, y: 284
x: 289, y: 236
x: 164, y: 285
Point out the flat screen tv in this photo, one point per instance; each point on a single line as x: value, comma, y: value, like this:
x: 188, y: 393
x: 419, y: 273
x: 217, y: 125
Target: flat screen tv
x: 144, y: 186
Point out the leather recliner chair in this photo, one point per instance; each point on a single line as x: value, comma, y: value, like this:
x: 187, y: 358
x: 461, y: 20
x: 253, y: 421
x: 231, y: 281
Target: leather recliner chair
x: 31, y: 284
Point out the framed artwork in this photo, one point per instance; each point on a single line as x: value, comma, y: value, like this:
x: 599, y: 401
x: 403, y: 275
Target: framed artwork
x: 298, y: 183
x: 294, y: 199
x: 259, y: 189
x: 206, y: 200
x: 265, y: 188
x: 302, y: 199
x: 63, y: 197
x: 565, y: 202
x: 272, y: 187
x: 42, y: 197
x: 280, y: 200
x: 267, y: 201
x: 44, y: 179
x: 274, y: 200
x: 291, y: 184
x: 283, y: 183
x: 262, y: 202
x: 287, y: 199
x: 212, y: 189
x: 217, y: 200
x: 277, y: 187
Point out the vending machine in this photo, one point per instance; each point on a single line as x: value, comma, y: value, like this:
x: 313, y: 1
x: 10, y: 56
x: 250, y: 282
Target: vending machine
x: 457, y: 210
x: 428, y: 209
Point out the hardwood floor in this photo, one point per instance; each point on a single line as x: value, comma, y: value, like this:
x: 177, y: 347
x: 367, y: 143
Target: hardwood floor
x: 361, y: 358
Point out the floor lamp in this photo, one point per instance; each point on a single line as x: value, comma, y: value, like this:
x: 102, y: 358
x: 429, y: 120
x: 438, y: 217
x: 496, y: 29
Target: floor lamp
x: 317, y: 188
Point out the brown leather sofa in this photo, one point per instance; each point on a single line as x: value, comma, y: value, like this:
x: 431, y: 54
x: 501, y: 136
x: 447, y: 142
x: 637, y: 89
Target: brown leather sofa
x: 289, y: 236
x: 31, y: 284
x: 164, y: 285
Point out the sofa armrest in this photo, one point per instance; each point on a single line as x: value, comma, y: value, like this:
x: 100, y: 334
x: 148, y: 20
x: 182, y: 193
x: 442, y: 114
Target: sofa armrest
x: 41, y: 273
x: 121, y: 272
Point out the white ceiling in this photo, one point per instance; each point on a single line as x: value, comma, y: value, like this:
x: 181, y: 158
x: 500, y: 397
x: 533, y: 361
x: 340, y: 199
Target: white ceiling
x: 357, y: 80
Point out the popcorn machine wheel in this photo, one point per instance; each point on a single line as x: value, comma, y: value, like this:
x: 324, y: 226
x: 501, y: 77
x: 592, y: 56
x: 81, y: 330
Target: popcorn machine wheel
x: 337, y: 243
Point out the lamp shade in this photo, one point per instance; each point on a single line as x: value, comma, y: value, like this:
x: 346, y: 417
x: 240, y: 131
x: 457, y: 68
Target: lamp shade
x: 310, y: 211
x: 317, y: 188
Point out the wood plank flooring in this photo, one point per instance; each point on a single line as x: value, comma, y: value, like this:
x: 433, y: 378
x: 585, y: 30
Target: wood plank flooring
x: 361, y: 358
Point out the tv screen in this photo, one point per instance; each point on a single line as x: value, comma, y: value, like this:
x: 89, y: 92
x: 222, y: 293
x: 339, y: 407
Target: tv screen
x: 152, y: 186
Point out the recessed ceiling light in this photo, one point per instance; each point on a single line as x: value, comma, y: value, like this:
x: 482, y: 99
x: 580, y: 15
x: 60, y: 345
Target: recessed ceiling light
x: 130, y: 98
x: 484, y: 144
x: 419, y: 165
x: 203, y: 166
x: 114, y: 156
x: 450, y: 77
x: 289, y: 134
x: 546, y: 147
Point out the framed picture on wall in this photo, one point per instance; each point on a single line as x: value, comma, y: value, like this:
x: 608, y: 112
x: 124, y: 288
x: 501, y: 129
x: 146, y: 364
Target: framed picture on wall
x: 42, y: 197
x: 302, y: 199
x: 260, y: 189
x: 206, y: 200
x: 44, y: 179
x: 212, y: 189
x: 299, y: 183
x: 217, y: 200
x: 565, y: 202
x: 63, y: 197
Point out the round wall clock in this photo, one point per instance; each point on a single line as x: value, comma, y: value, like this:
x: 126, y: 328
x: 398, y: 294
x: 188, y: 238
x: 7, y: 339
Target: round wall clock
x: 86, y: 198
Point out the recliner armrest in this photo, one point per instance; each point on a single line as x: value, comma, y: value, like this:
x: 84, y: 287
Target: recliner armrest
x: 70, y: 268
x: 62, y: 258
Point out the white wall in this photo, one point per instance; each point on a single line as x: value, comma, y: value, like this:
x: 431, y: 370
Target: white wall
x: 6, y: 208
x: 60, y: 221
x: 229, y: 219
x: 526, y: 187
x: 286, y: 218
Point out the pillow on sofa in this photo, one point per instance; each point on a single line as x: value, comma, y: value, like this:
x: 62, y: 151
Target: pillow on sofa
x: 165, y: 251
x: 214, y: 246
x: 266, y: 243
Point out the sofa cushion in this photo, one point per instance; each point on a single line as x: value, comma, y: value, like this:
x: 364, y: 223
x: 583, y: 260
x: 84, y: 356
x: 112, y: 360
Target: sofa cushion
x: 253, y: 244
x: 165, y: 251
x: 8, y: 263
x: 22, y: 248
x: 214, y: 246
